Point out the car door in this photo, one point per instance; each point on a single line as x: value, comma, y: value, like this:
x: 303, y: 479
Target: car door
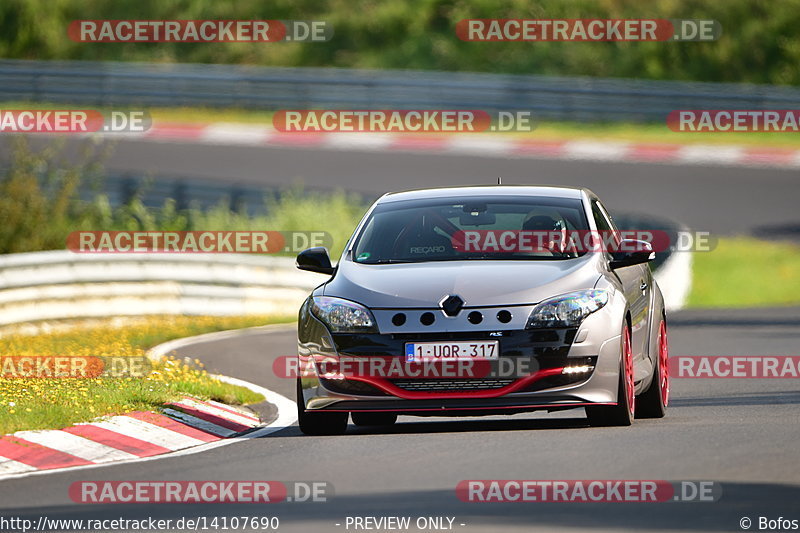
x: 636, y: 282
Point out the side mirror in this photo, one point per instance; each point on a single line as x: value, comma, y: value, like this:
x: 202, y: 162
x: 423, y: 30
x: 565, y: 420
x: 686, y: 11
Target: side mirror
x: 631, y: 252
x: 315, y: 260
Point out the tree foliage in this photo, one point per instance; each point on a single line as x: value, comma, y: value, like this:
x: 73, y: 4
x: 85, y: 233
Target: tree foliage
x: 760, y: 41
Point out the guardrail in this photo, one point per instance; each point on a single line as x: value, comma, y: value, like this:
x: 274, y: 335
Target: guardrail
x: 557, y: 98
x: 61, y: 284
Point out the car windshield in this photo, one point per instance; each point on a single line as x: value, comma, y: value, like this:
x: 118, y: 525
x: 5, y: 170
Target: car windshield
x: 460, y: 229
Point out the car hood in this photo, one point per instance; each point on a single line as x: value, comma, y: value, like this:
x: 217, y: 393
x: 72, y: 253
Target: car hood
x: 478, y: 282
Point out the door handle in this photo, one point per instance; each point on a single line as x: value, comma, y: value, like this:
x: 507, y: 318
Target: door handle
x: 643, y: 286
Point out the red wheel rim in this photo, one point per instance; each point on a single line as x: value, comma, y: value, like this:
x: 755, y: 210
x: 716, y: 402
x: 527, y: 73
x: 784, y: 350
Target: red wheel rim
x: 628, y: 362
x: 663, y: 363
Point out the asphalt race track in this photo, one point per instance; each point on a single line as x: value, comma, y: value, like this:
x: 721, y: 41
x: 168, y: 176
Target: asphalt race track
x: 740, y: 433
x: 720, y: 199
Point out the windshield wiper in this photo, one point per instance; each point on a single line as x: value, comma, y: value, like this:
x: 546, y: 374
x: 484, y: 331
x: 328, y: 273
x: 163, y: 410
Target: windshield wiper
x: 385, y: 261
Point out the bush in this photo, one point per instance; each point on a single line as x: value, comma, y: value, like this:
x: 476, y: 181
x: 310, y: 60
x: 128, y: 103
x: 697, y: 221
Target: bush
x: 40, y: 207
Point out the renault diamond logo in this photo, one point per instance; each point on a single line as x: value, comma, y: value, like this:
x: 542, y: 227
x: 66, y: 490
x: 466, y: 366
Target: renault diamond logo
x: 452, y: 305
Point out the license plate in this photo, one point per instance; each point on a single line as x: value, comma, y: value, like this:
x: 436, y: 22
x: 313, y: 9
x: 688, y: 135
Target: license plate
x: 418, y: 352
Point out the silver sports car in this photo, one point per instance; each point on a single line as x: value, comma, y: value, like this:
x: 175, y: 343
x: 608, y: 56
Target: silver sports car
x: 482, y: 301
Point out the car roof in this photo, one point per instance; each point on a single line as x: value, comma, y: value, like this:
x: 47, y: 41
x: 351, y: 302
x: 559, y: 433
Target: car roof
x: 486, y: 190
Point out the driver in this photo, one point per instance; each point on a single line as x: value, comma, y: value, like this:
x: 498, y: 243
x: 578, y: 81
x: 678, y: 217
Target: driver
x: 550, y: 231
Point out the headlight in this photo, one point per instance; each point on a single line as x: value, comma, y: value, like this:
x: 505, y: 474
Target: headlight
x: 567, y: 310
x: 342, y: 316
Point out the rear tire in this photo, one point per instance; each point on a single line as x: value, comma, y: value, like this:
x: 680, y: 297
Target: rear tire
x: 653, y: 402
x: 319, y: 423
x: 622, y: 413
x: 373, y: 419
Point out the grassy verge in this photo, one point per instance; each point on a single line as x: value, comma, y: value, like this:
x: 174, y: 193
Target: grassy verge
x: 47, y: 403
x: 746, y: 272
x: 600, y: 131
x: 610, y: 131
x: 659, y: 133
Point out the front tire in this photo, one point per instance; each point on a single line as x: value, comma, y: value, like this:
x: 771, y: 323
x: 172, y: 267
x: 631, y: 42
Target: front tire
x: 621, y: 414
x: 319, y: 423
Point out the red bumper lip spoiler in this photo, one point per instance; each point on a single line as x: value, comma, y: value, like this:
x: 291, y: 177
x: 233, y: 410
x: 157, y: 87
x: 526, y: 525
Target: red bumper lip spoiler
x: 389, y: 388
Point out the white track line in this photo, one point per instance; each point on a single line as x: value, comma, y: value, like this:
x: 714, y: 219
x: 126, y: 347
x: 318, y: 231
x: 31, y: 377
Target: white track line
x: 287, y: 409
x: 170, y: 346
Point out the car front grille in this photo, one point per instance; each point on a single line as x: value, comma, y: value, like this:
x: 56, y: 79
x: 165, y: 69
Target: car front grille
x: 349, y: 386
x: 445, y: 385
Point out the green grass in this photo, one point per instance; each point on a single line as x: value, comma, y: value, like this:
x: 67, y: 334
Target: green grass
x: 659, y: 133
x: 746, y: 272
x: 53, y: 403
